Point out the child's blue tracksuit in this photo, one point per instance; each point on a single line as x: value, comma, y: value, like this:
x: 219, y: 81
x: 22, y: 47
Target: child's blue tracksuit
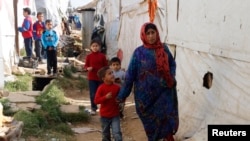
x: 50, y: 41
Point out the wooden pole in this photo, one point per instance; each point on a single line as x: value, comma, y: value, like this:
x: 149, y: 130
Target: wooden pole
x: 16, y: 29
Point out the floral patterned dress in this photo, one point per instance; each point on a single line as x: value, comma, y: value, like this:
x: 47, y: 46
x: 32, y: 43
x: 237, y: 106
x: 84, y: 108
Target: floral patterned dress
x: 156, y: 104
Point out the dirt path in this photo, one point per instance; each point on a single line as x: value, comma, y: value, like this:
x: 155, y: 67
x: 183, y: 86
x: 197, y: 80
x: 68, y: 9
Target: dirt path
x: 132, y: 129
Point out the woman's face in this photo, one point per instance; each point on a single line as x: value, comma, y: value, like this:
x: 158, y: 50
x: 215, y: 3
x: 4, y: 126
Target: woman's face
x: 151, y: 36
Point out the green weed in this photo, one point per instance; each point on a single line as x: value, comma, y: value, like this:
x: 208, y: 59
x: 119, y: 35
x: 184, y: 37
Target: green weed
x: 23, y: 83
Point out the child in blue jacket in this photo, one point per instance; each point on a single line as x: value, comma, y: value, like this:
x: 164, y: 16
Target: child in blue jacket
x: 50, y: 41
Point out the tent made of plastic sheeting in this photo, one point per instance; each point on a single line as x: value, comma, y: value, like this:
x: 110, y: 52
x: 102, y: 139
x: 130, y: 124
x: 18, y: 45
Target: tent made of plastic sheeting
x: 54, y: 10
x: 122, y: 20
x: 8, y: 30
x: 91, y: 4
x: 134, y: 13
x: 107, y: 15
x: 226, y: 102
x: 221, y: 29
x: 208, y: 36
x: 7, y: 38
x: 4, y: 4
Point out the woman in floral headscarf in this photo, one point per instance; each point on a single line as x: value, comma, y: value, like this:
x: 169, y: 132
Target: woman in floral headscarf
x: 152, y: 73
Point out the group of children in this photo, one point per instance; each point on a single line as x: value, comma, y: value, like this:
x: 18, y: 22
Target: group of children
x: 105, y: 80
x: 46, y: 39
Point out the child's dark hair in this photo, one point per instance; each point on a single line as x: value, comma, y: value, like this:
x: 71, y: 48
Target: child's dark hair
x: 102, y: 72
x: 27, y: 9
x: 39, y: 13
x: 115, y: 59
x: 48, y: 21
x: 96, y: 40
x: 150, y: 26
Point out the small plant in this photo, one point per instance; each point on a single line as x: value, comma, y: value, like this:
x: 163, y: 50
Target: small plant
x: 50, y: 114
x: 63, y: 128
x: 30, y: 121
x: 52, y: 93
x: 67, y: 72
x: 81, y: 116
x: 73, y: 69
x: 22, y: 52
x: 42, y: 118
x: 23, y: 83
x: 49, y: 121
x: 82, y: 84
x: 63, y: 82
x: 16, y: 86
x: 6, y: 107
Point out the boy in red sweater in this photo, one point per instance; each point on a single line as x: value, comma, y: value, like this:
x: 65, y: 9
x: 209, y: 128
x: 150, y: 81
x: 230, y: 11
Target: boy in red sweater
x: 109, y: 111
x: 38, y: 28
x: 94, y: 61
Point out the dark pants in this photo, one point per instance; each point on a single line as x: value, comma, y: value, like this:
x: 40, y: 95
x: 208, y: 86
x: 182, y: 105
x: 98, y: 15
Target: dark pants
x: 51, y: 61
x: 38, y: 49
x: 44, y: 53
x: 93, y: 85
x: 114, y: 124
x: 28, y: 46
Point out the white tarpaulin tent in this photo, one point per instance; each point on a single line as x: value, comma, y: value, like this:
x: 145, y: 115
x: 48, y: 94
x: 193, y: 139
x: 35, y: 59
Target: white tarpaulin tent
x: 123, y: 20
x: 209, y: 36
x: 134, y: 13
x: 54, y: 10
x: 110, y: 15
x: 7, y: 35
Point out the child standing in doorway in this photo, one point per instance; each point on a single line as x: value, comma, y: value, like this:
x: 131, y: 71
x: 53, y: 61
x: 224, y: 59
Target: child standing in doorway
x: 109, y: 111
x: 94, y: 61
x: 50, y: 41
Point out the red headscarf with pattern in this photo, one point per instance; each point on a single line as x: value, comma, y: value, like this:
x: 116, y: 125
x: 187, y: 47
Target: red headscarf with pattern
x: 161, y: 55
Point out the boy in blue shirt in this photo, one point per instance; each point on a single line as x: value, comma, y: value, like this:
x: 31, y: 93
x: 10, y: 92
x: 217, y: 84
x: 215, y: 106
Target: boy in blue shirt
x: 50, y: 41
x: 119, y: 73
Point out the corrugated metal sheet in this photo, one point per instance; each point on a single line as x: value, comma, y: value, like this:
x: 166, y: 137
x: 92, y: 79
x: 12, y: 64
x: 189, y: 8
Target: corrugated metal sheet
x: 87, y: 27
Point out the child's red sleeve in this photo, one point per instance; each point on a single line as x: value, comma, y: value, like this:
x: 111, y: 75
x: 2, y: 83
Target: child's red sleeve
x: 100, y: 97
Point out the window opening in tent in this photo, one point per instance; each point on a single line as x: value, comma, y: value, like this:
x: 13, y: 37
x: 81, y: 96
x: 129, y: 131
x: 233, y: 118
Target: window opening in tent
x: 207, y: 80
